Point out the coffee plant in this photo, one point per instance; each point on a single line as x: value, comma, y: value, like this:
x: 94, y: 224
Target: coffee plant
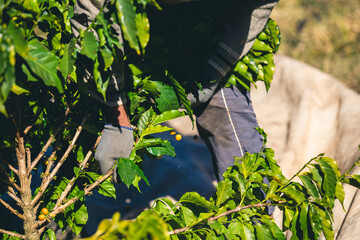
x: 51, y: 127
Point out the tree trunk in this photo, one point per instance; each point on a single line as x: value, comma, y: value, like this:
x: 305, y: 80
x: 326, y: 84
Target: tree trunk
x: 31, y: 232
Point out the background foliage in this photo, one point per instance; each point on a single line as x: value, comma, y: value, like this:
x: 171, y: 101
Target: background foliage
x: 324, y: 34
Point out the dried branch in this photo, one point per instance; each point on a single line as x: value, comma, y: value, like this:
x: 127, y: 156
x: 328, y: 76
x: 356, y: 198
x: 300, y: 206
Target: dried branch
x: 12, y: 209
x: 72, y: 181
x: 42, y: 152
x: 47, y: 179
x: 11, y: 181
x: 237, y: 209
x: 13, y: 169
x: 12, y: 194
x: 12, y: 234
x: 51, y: 160
x: 75, y: 199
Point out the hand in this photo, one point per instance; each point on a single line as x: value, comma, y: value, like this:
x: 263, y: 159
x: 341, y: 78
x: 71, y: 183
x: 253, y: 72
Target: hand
x: 116, y: 140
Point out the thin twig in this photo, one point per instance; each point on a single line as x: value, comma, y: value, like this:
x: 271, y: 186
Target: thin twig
x: 11, y: 181
x: 13, y: 169
x: 51, y: 160
x: 237, y: 209
x: 13, y: 195
x: 72, y: 181
x: 47, y: 179
x: 14, y: 185
x: 42, y: 152
x: 12, y: 209
x: 12, y: 234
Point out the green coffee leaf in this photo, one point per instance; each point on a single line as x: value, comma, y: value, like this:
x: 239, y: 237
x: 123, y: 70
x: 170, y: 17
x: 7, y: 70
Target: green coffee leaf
x: 329, y: 183
x: 66, y: 63
x: 187, y: 215
x: 309, y: 185
x: 340, y: 193
x: 81, y: 215
x: 107, y: 57
x: 127, y: 16
x: 236, y: 176
x: 247, y: 231
x: 50, y: 234
x: 180, y: 91
x: 333, y: 164
x: 293, y: 226
x: 154, y: 129
x: 274, y: 229
x: 315, y: 175
x: 295, y: 194
x: 145, y: 143
x: 234, y: 228
x: 288, y: 216
x: 303, y: 219
x: 354, y: 180
x: 18, y: 90
x: 106, y: 188
x: 145, y: 119
x: 89, y: 45
x: 143, y: 27
x: 126, y: 170
x: 167, y: 100
x: 262, y: 232
x: 166, y: 116
x: 195, y: 198
x: 247, y: 164
x: 44, y: 64
x: 224, y: 191
x: 165, y: 148
x: 326, y: 224
x: 18, y: 40
x: 315, y: 222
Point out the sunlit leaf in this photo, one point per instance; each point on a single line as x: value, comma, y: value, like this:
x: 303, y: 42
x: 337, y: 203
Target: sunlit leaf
x: 224, y: 191
x: 154, y: 129
x: 187, y: 215
x: 315, y: 222
x: 165, y: 148
x: 329, y: 183
x: 309, y: 185
x: 66, y: 63
x: 143, y: 27
x: 340, y: 193
x: 144, y: 143
x: 89, y: 45
x: 126, y: 14
x: 166, y: 116
x: 326, y: 224
x: 44, y: 64
x: 262, y: 232
x: 195, y: 198
x: 247, y: 231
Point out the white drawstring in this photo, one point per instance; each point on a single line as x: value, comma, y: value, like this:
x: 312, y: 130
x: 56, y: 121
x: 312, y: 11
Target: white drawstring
x: 231, y: 122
